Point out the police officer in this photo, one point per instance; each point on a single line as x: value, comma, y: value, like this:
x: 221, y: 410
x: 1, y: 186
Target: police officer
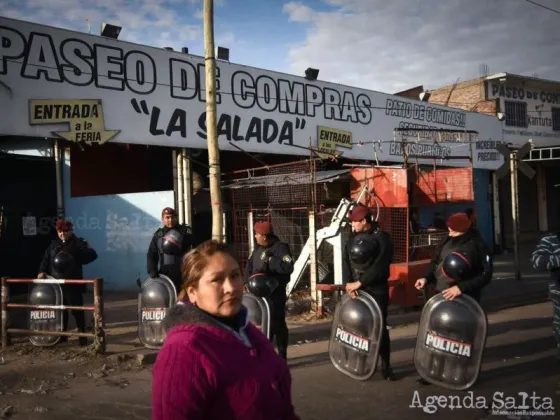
x: 462, y: 237
x: 374, y: 278
x: 274, y: 259
x: 167, y: 247
x: 64, y: 259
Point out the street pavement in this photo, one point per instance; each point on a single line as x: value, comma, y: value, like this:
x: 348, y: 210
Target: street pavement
x: 519, y: 357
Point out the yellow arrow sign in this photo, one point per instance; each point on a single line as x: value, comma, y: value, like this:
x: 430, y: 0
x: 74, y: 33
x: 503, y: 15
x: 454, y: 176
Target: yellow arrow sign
x: 85, y: 117
x: 329, y: 138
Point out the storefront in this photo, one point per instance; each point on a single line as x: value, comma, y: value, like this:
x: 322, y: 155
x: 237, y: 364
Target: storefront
x: 118, y: 110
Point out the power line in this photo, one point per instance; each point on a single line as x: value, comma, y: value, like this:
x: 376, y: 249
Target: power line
x: 543, y: 6
x: 251, y: 94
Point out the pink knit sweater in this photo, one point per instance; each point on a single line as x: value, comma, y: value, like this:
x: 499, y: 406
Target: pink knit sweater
x: 205, y: 370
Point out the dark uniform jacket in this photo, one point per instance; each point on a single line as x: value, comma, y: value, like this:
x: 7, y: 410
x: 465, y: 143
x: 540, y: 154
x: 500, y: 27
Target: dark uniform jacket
x: 82, y: 252
x: 480, y: 258
x: 280, y: 266
x: 169, y: 265
x: 374, y: 278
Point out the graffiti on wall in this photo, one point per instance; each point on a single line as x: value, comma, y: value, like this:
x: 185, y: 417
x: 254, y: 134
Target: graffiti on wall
x: 130, y: 233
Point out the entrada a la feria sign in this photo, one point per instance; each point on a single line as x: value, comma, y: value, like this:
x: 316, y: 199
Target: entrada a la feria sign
x: 84, y: 116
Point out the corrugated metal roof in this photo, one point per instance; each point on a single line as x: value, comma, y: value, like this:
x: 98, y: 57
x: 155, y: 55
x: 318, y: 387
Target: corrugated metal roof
x: 287, y: 179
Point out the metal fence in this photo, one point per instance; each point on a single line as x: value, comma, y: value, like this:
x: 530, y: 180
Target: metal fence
x: 97, y: 308
x: 284, y: 195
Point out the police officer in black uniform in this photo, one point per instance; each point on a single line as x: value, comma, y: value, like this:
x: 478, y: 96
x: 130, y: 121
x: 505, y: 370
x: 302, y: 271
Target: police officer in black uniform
x: 462, y: 237
x: 465, y: 245
x: 374, y: 278
x: 274, y: 259
x: 168, y: 246
x: 64, y: 259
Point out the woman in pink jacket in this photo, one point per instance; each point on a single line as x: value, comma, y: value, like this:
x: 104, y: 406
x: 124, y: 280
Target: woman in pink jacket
x: 214, y: 364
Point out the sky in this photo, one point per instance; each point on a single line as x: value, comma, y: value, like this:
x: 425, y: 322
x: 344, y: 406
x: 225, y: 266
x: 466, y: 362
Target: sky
x: 382, y: 45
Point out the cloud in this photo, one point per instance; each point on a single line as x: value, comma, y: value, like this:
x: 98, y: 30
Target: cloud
x: 394, y: 45
x: 157, y: 23
x: 298, y: 12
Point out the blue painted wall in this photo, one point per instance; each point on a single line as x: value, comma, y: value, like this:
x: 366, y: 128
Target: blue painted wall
x: 119, y: 228
x: 483, y: 206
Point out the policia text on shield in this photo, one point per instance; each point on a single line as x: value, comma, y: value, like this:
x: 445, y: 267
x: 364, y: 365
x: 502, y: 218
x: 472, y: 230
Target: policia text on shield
x: 366, y: 265
x: 452, y: 331
x: 64, y: 259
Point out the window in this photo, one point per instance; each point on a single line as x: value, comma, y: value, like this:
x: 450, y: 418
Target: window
x: 516, y: 114
x: 555, y: 119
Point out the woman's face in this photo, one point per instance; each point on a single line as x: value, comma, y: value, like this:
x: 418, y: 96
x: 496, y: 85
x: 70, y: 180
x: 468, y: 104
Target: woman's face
x: 220, y: 289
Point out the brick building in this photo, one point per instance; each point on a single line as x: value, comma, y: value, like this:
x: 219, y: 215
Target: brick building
x: 530, y: 110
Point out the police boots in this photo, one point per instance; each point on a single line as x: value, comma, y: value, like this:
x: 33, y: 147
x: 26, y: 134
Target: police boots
x: 387, y: 372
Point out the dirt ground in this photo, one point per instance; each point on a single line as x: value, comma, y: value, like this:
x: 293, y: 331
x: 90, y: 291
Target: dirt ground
x: 35, y: 382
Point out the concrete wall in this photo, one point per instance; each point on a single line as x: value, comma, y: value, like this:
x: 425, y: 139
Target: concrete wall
x: 540, y: 100
x: 119, y: 228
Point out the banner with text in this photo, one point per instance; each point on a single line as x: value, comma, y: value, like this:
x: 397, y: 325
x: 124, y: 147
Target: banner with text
x: 157, y: 97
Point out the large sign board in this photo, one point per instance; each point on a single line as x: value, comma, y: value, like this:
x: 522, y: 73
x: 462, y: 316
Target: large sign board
x: 157, y: 97
x: 539, y: 102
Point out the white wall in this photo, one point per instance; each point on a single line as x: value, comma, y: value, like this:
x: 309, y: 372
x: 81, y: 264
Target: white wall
x: 539, y: 102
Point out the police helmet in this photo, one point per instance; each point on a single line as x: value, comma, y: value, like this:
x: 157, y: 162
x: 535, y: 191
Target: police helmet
x: 357, y: 317
x: 362, y: 250
x: 453, y: 320
x: 62, y: 263
x: 172, y: 242
x: 43, y: 294
x: 157, y: 294
x: 262, y: 285
x: 457, y: 266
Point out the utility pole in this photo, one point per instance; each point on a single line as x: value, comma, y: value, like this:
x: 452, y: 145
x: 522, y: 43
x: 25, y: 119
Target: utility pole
x: 513, y: 161
x: 211, y: 124
x: 515, y: 213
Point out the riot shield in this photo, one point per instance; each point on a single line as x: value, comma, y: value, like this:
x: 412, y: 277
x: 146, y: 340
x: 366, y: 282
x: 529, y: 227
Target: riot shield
x: 450, y: 342
x: 355, y: 336
x: 43, y: 319
x: 259, y: 311
x: 156, y: 297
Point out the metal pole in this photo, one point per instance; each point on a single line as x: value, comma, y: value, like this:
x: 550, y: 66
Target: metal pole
x: 175, y: 179
x: 187, y: 187
x: 98, y: 315
x: 250, y: 231
x: 180, y: 190
x: 4, y: 293
x: 313, y: 260
x: 59, y: 182
x: 515, y: 214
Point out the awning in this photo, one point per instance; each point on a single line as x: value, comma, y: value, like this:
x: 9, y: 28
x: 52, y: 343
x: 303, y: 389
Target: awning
x: 288, y: 179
